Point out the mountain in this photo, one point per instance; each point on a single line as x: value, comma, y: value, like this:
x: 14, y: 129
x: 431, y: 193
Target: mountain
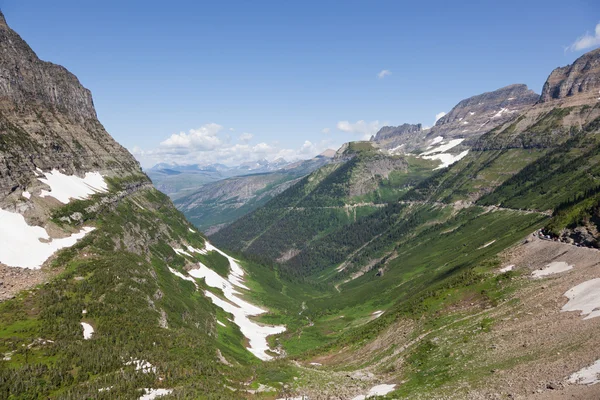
x: 468, y: 120
x: 358, y: 182
x: 382, y: 273
x: 176, y: 180
x: 477, y: 280
x: 106, y: 291
x: 213, y: 205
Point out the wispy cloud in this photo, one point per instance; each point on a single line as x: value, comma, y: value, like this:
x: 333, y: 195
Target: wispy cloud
x: 363, y: 128
x: 325, y: 130
x: 586, y: 41
x: 246, y: 137
x: 383, y: 73
x: 438, y: 116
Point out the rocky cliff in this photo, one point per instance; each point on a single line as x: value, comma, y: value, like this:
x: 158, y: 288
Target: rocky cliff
x: 580, y: 78
x: 57, y: 113
x: 469, y: 119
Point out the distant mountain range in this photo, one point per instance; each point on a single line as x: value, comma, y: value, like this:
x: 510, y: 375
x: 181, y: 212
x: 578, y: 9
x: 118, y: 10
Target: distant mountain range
x: 175, y: 178
x: 212, y: 205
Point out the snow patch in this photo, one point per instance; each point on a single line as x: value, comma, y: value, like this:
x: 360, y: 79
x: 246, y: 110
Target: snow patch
x: 551, y: 269
x: 436, y: 140
x: 222, y: 324
x: 26, y: 194
x: 182, y: 276
x: 20, y: 244
x: 587, y: 376
x: 446, y: 159
x: 191, y: 230
x: 507, y: 268
x: 501, y: 112
x: 377, y: 314
x: 88, y: 330
x: 379, y: 390
x: 181, y: 252
x: 66, y: 187
x: 584, y: 297
x: 141, y: 365
x: 151, y: 394
x: 444, y: 147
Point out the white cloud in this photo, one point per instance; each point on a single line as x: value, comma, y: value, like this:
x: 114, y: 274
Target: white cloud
x: 208, y: 145
x: 326, y: 130
x: 438, y: 116
x: 365, y: 129
x: 246, y: 137
x: 383, y: 73
x: 586, y: 41
x: 201, y: 139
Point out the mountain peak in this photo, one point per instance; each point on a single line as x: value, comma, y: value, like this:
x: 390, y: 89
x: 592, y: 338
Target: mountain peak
x: 3, y: 20
x: 582, y: 78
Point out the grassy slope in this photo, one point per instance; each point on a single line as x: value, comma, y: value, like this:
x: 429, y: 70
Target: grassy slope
x: 119, y: 274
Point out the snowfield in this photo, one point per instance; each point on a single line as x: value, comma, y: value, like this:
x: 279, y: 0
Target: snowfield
x: 446, y: 159
x: 239, y: 308
x: 88, y: 330
x: 21, y: 245
x: 436, y: 140
x: 66, y: 187
x: 555, y: 267
x: 379, y: 390
x: 443, y: 147
x: 584, y: 297
x: 587, y: 375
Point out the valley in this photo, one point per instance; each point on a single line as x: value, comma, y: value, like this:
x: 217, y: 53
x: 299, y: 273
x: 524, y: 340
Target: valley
x: 460, y: 261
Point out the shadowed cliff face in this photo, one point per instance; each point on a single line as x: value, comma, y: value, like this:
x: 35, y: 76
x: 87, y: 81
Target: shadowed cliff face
x: 582, y: 78
x: 48, y: 120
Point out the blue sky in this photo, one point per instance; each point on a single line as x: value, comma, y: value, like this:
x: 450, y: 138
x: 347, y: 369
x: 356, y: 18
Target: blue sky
x: 229, y: 81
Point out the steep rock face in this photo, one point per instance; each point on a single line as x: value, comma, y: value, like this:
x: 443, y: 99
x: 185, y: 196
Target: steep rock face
x: 569, y: 104
x: 48, y: 120
x: 478, y: 114
x: 396, y: 132
x: 580, y: 78
x: 469, y: 119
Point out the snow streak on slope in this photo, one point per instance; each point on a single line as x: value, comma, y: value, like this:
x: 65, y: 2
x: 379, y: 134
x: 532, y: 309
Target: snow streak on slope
x: 239, y: 308
x: 439, y: 152
x: 66, y: 187
x: 20, y: 244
